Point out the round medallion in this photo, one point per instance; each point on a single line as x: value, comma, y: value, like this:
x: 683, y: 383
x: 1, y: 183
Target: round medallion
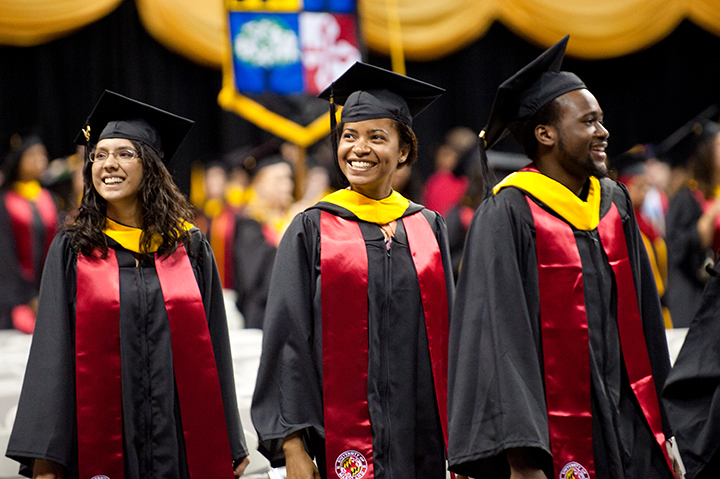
x: 351, y: 465
x: 574, y: 470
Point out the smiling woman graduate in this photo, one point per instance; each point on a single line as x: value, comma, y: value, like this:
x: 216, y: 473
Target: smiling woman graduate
x: 354, y: 362
x: 130, y: 373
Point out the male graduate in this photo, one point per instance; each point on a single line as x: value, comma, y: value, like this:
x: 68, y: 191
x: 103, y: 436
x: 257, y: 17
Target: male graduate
x: 557, y: 330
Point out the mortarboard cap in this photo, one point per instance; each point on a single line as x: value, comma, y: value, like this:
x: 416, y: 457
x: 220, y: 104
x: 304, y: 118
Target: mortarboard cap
x: 677, y: 148
x: 519, y: 97
x: 117, y: 116
x: 368, y: 93
x: 630, y: 163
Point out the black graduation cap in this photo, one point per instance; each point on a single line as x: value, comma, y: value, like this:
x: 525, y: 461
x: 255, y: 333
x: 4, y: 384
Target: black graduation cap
x: 677, y: 148
x: 369, y: 92
x: 519, y: 97
x: 631, y: 162
x: 117, y: 116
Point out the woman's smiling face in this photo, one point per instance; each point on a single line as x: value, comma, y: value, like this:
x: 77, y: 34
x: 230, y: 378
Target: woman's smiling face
x: 369, y: 153
x: 117, y: 181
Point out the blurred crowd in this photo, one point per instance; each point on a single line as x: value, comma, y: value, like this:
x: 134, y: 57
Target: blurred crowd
x: 245, y: 201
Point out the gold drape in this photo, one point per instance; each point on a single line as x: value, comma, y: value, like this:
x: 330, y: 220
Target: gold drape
x: 430, y: 28
x: 27, y: 23
x: 194, y: 28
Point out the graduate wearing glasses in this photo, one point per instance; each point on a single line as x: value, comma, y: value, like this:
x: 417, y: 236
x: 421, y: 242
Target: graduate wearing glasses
x: 130, y: 373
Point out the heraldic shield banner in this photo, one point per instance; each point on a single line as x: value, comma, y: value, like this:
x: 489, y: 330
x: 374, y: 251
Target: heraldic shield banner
x: 286, y: 47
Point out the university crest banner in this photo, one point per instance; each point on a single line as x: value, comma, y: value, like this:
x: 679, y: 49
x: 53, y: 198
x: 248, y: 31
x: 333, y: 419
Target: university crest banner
x: 286, y: 47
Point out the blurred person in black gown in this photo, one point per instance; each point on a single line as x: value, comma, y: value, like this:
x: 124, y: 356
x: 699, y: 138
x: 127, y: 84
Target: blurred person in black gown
x: 28, y: 220
x: 258, y: 231
x: 693, y: 220
x: 217, y: 219
x: 631, y: 171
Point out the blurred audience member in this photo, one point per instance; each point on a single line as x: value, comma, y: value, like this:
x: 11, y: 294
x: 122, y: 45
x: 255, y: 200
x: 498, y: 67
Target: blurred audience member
x: 692, y: 221
x: 258, y: 233
x: 656, y: 204
x: 632, y: 172
x: 63, y: 177
x: 216, y: 218
x: 237, y: 190
x: 317, y: 186
x: 458, y: 218
x: 445, y: 187
x: 28, y: 220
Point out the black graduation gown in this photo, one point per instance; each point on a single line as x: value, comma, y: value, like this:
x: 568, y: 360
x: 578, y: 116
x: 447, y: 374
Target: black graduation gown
x: 253, y: 262
x: 46, y: 426
x: 406, y: 431
x: 692, y: 390
x: 686, y: 258
x: 15, y: 289
x: 496, y: 380
x: 457, y: 231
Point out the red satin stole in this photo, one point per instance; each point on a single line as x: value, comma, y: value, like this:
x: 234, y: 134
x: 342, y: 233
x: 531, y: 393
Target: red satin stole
x: 344, y: 282
x: 98, y: 373
x: 222, y: 237
x: 565, y: 338
x: 20, y: 211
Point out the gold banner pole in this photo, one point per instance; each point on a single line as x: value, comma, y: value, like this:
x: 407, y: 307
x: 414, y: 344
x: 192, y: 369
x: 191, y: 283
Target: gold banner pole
x: 397, y: 55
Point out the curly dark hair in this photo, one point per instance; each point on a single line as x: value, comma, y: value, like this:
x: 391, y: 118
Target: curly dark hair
x: 164, y: 208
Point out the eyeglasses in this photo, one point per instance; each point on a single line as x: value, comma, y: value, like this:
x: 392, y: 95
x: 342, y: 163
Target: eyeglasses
x: 122, y: 155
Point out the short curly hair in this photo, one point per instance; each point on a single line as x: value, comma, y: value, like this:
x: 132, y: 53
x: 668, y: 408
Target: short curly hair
x: 548, y: 114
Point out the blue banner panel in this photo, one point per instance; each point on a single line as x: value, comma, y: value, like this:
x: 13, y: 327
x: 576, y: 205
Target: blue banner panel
x: 332, y: 6
x: 266, y: 52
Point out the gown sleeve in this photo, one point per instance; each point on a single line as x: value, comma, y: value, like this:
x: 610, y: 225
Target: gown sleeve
x: 495, y: 381
x: 217, y: 325
x: 288, y: 392
x: 683, y: 239
x: 45, y: 422
x: 692, y: 390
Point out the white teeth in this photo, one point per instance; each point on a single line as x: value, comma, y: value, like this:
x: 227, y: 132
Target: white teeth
x: 361, y: 164
x: 113, y: 180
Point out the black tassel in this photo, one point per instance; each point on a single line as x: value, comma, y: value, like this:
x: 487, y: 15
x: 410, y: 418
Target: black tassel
x: 488, y: 177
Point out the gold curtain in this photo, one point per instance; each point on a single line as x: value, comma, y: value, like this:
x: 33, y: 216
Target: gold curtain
x: 194, y: 28
x: 27, y: 23
x: 430, y: 28
x: 597, y: 29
